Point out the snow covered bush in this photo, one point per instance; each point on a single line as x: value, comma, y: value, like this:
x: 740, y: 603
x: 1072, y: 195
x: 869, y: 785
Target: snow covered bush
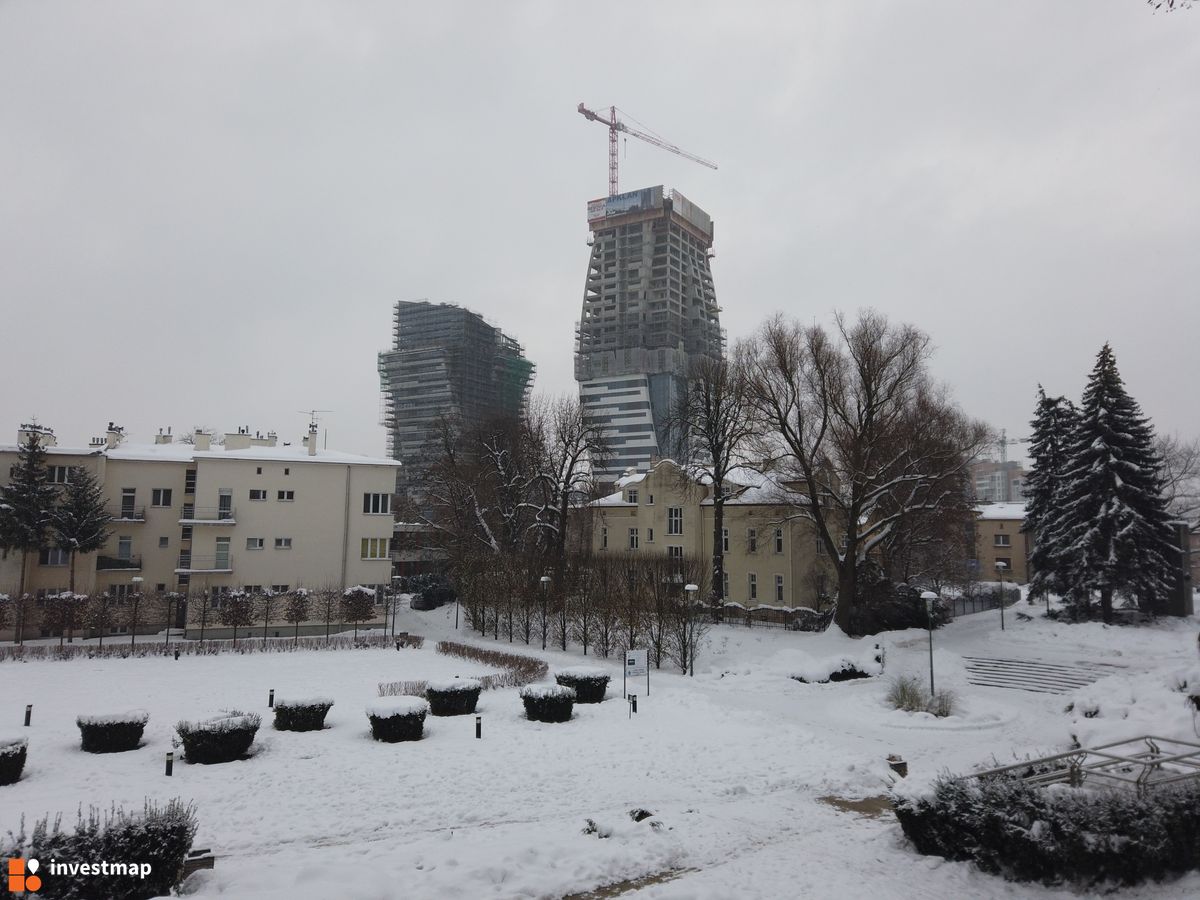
x: 588, y: 682
x: 548, y: 702
x: 397, y: 718
x: 304, y: 714
x: 114, y: 733
x: 1056, y: 834
x: 908, y: 693
x: 158, y: 837
x: 221, y: 739
x: 841, y: 668
x: 12, y: 758
x: 453, y: 698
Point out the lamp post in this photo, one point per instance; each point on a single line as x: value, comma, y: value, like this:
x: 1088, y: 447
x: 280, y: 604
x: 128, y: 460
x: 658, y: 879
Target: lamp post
x: 691, y: 590
x: 136, y: 600
x: 930, y: 598
x: 396, y: 602
x: 545, y: 611
x: 1000, y: 567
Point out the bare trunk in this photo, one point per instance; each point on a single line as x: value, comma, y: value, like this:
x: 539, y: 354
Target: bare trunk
x: 847, y: 585
x: 1106, y: 603
x: 21, y: 600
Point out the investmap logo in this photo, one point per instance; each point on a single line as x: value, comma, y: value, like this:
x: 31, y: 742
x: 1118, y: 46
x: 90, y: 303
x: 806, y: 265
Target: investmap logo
x: 23, y: 876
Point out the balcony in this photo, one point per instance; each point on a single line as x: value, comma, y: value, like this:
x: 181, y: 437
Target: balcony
x: 118, y: 563
x: 189, y: 564
x: 128, y: 513
x: 206, y: 515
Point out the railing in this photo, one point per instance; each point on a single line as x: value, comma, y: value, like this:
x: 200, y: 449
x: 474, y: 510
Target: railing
x: 188, y: 563
x: 1138, y: 763
x: 116, y: 563
x: 128, y: 513
x: 207, y: 515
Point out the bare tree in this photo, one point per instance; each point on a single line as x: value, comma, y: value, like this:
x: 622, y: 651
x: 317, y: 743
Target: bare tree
x: 199, y: 611
x: 328, y: 605
x: 715, y: 421
x: 358, y: 605
x: 688, y: 621
x: 296, y: 611
x: 845, y: 411
x: 236, y: 611
x: 1180, y: 475
x: 99, y: 613
x: 267, y: 604
x: 134, y: 613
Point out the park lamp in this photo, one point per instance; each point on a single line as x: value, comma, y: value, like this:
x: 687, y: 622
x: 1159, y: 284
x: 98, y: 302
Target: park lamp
x: 692, y: 590
x: 545, y: 579
x: 1001, y: 565
x: 930, y: 598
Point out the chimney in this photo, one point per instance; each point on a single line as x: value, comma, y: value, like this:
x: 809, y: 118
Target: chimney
x: 311, y: 440
x: 272, y: 437
x: 239, y: 440
x: 202, y: 440
x: 114, y: 436
x: 161, y: 438
x: 45, y: 435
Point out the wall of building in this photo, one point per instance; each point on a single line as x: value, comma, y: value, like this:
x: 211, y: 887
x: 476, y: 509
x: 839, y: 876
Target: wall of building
x: 1001, y: 539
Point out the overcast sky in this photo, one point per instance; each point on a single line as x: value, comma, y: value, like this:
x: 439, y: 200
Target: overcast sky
x: 208, y: 209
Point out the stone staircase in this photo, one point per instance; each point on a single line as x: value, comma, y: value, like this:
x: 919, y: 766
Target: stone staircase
x: 1037, y: 675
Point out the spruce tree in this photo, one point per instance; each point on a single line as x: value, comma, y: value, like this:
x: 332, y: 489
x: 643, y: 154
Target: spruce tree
x: 80, y: 522
x: 1111, y: 532
x: 1053, y: 425
x: 27, y: 504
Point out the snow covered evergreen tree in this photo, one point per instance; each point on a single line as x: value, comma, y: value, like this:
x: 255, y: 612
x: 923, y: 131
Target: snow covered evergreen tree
x: 1052, y: 428
x: 27, y: 504
x: 80, y: 522
x: 1111, y: 532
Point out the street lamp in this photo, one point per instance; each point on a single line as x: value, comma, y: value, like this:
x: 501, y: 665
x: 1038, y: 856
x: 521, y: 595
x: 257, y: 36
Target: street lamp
x: 396, y: 602
x: 545, y: 613
x: 1001, y: 565
x: 930, y: 598
x: 692, y: 590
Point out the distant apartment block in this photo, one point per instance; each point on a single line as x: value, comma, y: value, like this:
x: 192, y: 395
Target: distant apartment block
x: 203, y: 517
x: 998, y: 482
x: 649, y: 309
x: 446, y: 364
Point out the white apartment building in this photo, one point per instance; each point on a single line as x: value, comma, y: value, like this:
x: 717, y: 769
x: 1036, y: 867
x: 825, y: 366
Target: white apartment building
x: 203, y: 516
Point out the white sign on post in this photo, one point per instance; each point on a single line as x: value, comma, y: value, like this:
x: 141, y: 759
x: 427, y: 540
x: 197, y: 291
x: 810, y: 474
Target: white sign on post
x: 637, y: 664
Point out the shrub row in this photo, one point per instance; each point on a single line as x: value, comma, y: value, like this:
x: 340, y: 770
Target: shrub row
x: 302, y: 714
x: 221, y: 739
x: 12, y: 758
x: 589, y: 684
x: 159, y: 836
x: 191, y: 647
x: 396, y: 719
x: 548, y: 702
x: 112, y: 733
x: 1023, y: 832
x: 518, y: 670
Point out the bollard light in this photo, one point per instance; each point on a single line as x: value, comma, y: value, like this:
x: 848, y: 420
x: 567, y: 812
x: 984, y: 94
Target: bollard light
x: 271, y: 698
x: 28, y: 713
x: 170, y: 762
x: 479, y: 727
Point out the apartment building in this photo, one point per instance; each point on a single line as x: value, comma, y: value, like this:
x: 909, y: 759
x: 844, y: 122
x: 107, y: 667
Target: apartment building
x: 998, y: 538
x: 202, y: 516
x: 772, y: 558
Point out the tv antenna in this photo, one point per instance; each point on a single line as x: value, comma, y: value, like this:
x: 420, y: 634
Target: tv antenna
x: 314, y: 415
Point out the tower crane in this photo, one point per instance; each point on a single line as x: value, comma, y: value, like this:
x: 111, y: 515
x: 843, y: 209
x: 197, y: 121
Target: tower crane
x: 615, y: 125
x: 1004, y: 442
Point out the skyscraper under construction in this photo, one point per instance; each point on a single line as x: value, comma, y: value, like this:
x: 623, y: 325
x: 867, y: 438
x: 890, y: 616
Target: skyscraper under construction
x: 649, y: 309
x: 446, y: 363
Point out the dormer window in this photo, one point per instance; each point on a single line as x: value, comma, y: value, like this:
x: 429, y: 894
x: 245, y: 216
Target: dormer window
x: 631, y: 496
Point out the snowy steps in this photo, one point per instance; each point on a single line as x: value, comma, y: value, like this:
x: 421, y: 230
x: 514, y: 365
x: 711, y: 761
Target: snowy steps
x: 1035, y: 675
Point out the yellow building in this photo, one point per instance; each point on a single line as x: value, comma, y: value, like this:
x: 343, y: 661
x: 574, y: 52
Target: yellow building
x: 998, y: 538
x: 772, y: 555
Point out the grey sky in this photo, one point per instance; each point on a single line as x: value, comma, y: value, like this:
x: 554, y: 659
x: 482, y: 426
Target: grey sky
x: 209, y: 208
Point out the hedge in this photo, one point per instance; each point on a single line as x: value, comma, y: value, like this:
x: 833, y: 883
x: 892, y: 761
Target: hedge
x: 548, y: 702
x: 159, y: 836
x: 589, y: 684
x: 191, y: 647
x: 301, y: 714
x: 12, y: 759
x: 453, y: 698
x: 396, y: 719
x: 1058, y: 834
x: 222, y: 739
x: 114, y: 733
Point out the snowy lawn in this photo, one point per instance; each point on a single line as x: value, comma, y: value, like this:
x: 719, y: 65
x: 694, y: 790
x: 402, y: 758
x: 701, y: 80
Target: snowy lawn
x: 733, y: 763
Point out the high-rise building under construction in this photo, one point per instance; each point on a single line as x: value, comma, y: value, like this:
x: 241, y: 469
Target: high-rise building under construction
x: 447, y: 364
x: 649, y: 310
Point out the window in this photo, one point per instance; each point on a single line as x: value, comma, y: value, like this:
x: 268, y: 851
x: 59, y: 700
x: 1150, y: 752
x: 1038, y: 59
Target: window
x: 224, y: 503
x: 377, y: 504
x: 53, y: 556
x: 279, y: 588
x: 1001, y: 540
x: 725, y: 585
x: 283, y: 543
x: 633, y: 538
x: 128, y: 499
x: 779, y: 590
x: 189, y: 481
x: 254, y: 543
x: 649, y: 535
x: 649, y: 499
x: 125, y: 547
x: 185, y: 533
x: 258, y: 470
x: 674, y: 520
x: 161, y: 587
x: 160, y: 497
x: 252, y: 588
x: 374, y: 548
x: 258, y: 494
x: 631, y: 496
x: 287, y: 471
x: 752, y: 540
x: 675, y: 553
x: 163, y: 543
x: 725, y: 543
x: 286, y: 496
x: 820, y: 547
x: 778, y: 540
x: 604, y: 537
x: 753, y: 586
x: 58, y: 474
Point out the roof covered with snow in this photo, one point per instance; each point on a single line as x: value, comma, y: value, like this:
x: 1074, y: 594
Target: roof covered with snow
x: 178, y: 452
x: 1001, y: 510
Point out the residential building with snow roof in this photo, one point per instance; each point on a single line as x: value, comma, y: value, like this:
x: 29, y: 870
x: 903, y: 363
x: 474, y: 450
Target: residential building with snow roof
x: 998, y: 538
x: 209, y: 517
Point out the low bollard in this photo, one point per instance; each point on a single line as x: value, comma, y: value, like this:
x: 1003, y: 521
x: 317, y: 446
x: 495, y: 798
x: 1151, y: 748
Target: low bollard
x: 479, y: 727
x: 28, y: 713
x: 271, y: 699
x: 177, y: 653
x: 632, y: 704
x: 170, y: 762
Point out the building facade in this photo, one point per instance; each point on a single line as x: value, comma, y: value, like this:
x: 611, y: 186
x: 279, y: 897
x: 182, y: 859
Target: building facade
x: 998, y: 538
x: 649, y: 309
x: 772, y: 558
x: 447, y: 364
x: 997, y: 482
x: 201, y: 517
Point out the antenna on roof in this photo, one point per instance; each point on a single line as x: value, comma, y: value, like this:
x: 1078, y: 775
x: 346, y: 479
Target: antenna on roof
x: 313, y: 417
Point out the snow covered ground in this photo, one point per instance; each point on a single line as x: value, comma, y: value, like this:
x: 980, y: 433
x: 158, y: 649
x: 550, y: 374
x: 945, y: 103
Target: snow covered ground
x: 733, y: 763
